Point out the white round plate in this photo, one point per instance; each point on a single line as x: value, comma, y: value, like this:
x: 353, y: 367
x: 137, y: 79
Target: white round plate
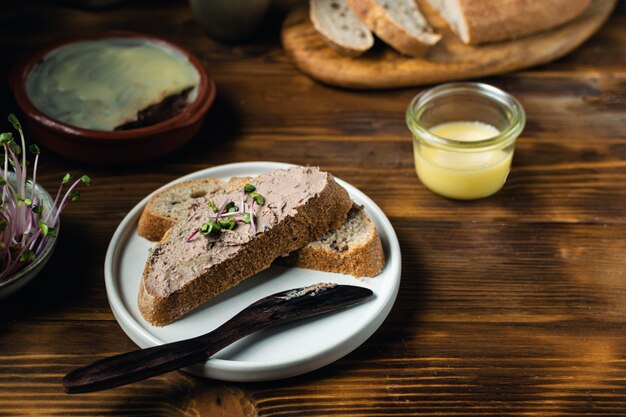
x: 282, y: 352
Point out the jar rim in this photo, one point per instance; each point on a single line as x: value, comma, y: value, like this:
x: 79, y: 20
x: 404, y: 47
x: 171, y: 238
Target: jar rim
x: 494, y: 94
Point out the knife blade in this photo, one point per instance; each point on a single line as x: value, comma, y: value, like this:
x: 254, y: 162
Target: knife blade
x: 270, y: 311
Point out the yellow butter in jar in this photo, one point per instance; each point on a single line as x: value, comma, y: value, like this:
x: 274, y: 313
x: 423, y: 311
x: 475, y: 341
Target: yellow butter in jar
x: 463, y: 137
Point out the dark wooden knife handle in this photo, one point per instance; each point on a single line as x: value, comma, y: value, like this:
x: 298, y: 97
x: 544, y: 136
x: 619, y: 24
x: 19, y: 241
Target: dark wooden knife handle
x: 270, y: 311
x: 134, y: 366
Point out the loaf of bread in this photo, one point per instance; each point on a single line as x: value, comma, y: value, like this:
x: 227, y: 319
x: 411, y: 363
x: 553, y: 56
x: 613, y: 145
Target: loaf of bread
x: 480, y: 21
x: 186, y: 268
x: 399, y: 23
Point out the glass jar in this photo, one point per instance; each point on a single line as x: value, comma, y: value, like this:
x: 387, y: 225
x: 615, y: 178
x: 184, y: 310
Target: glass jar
x: 462, y: 168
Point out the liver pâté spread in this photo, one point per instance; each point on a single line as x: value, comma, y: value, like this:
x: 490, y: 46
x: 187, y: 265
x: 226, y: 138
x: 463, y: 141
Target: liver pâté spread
x: 187, y: 253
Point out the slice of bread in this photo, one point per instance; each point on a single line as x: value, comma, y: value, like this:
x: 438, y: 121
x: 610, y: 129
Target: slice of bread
x: 481, y: 21
x: 171, y: 204
x: 186, y: 268
x: 399, y: 23
x: 340, y: 27
x: 354, y: 249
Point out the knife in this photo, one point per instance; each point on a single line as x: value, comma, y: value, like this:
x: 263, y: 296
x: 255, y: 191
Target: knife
x: 279, y: 308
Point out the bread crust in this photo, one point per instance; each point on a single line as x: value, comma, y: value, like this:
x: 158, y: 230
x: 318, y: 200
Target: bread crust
x: 488, y: 21
x: 385, y: 27
x: 320, y: 214
x: 365, y: 260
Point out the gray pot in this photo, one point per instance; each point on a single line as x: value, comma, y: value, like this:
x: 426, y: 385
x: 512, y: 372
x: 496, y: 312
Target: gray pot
x: 229, y: 20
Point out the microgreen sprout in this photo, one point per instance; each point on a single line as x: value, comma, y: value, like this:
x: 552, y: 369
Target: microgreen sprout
x: 24, y: 226
x: 212, y: 206
x: 242, y: 214
x: 257, y: 197
x: 210, y: 227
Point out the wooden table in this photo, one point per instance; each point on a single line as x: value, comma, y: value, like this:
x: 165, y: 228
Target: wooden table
x: 509, y: 306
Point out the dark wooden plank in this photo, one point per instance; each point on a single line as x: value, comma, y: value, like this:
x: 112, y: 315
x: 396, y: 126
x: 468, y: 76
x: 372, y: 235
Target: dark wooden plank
x: 508, y: 306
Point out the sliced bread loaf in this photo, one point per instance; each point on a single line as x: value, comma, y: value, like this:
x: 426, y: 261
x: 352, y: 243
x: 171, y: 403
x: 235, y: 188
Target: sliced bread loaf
x: 187, y: 268
x: 399, y: 23
x: 340, y: 27
x: 481, y: 21
x: 354, y: 249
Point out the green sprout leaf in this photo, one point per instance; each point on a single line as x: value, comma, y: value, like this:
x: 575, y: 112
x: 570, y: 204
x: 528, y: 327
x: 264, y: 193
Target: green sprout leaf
x: 28, y: 202
x: 27, y: 256
x: 3, y: 224
x: 246, y: 218
x: 34, y: 149
x: 6, y: 137
x: 212, y: 206
x: 228, y: 223
x: 3, y: 181
x: 258, y: 198
x: 86, y: 180
x: 44, y: 227
x: 209, y: 227
x: 38, y: 209
x: 67, y: 178
x: 249, y: 188
x: 74, y: 196
x: 14, y: 122
x: 17, y: 149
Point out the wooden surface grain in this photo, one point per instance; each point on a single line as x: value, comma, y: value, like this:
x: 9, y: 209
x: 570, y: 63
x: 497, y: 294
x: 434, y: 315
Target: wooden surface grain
x: 510, y: 306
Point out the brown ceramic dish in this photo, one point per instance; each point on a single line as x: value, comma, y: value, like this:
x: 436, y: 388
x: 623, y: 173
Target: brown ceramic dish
x: 120, y: 146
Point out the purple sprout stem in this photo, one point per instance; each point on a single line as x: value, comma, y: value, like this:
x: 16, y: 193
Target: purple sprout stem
x: 233, y: 213
x: 191, y: 236
x: 23, y: 161
x: 32, y: 189
x: 64, y: 201
x: 6, y: 170
x: 221, y: 211
x: 19, y: 173
x: 252, y: 225
x: 55, y: 203
x: 31, y: 241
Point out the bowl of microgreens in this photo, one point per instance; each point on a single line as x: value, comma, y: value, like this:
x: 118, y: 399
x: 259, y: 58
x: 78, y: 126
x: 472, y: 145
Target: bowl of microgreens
x: 29, y: 215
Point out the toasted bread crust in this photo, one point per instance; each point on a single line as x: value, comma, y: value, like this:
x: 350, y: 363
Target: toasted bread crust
x: 319, y: 215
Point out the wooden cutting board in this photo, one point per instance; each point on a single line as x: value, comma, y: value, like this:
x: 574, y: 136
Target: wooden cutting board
x: 449, y: 60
